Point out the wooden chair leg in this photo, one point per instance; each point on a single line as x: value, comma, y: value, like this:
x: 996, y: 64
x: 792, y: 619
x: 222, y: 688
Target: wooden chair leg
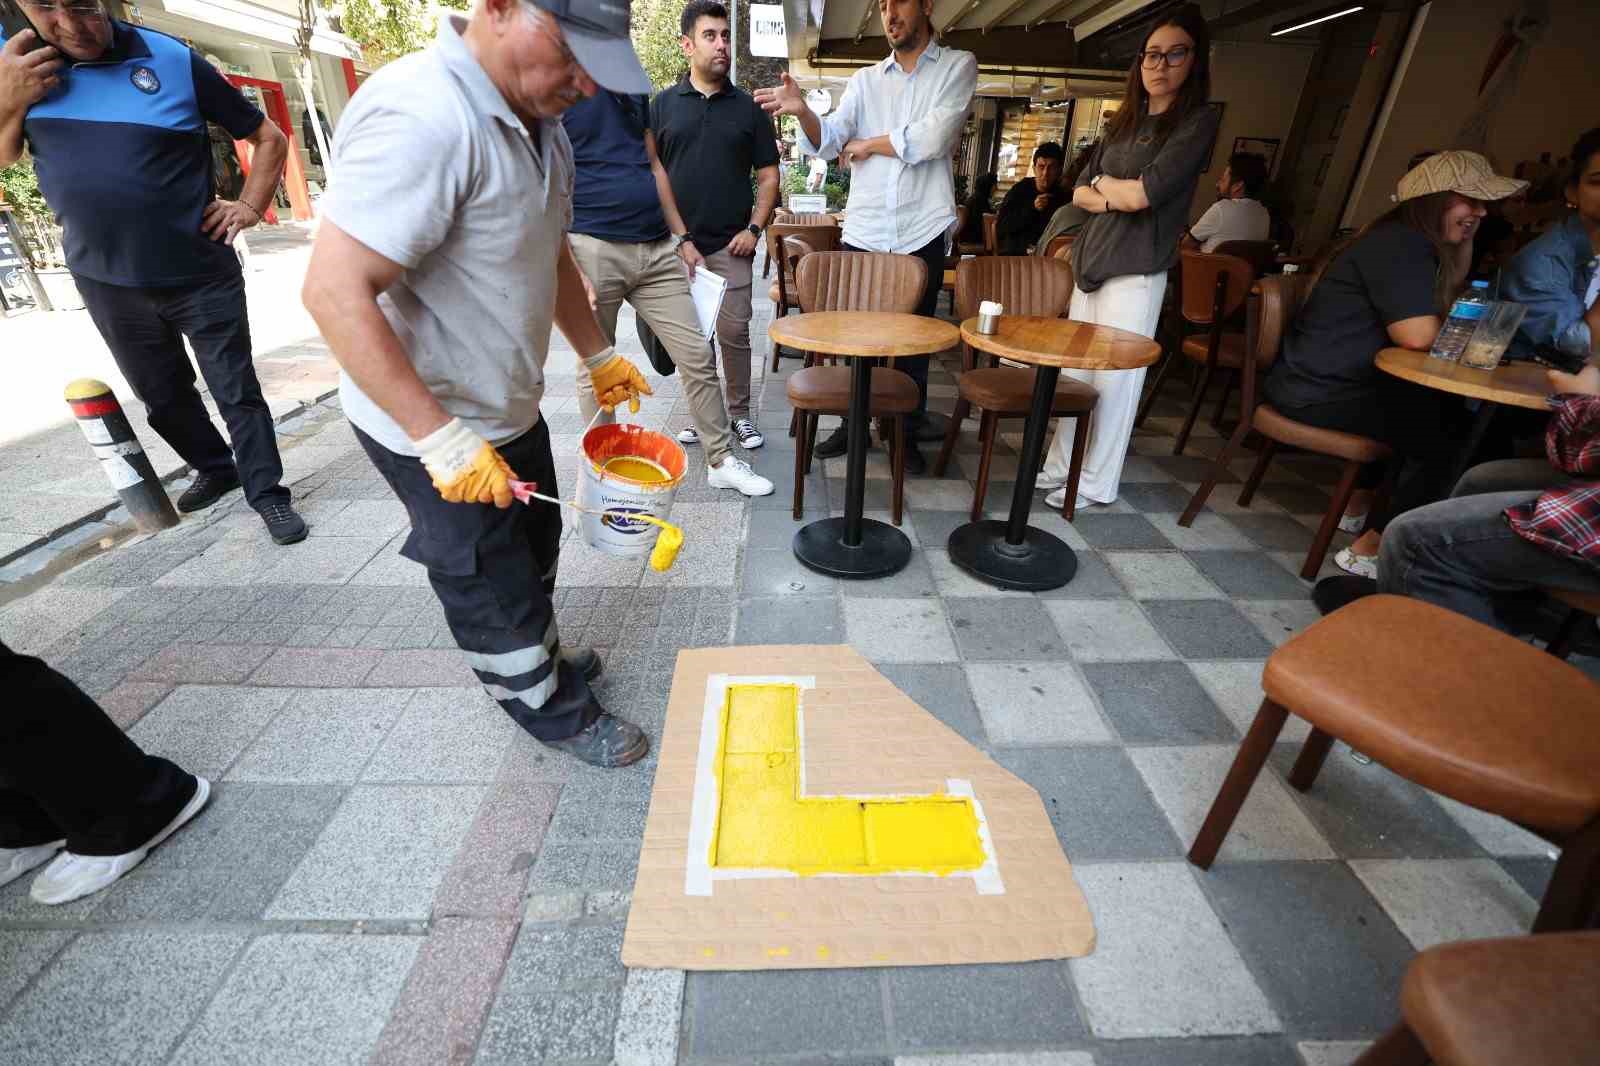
x: 1398, y: 1047
x: 1330, y: 521
x: 1253, y: 752
x: 948, y: 448
x: 800, y: 456
x: 1312, y: 756
x: 1155, y: 389
x: 1269, y: 448
x: 1572, y: 900
x: 899, y: 468
x: 986, y: 435
x: 808, y: 438
x: 1561, y: 644
x: 1203, y: 493
x: 1080, y: 444
x: 1194, y: 411
x: 1230, y: 378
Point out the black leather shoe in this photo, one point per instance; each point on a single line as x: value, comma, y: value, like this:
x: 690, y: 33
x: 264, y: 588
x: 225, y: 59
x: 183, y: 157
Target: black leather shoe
x: 206, y: 490
x: 283, y: 523
x: 930, y: 428
x: 833, y: 445
x: 608, y: 741
x: 584, y: 660
x: 1332, y: 593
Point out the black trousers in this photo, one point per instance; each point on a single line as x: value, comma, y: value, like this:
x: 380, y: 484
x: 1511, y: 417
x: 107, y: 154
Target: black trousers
x: 932, y: 254
x: 144, y: 328
x: 494, y: 572
x: 67, y: 771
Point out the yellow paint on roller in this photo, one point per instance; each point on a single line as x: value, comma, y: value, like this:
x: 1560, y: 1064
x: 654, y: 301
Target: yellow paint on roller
x: 668, y: 543
x: 764, y: 822
x: 634, y: 468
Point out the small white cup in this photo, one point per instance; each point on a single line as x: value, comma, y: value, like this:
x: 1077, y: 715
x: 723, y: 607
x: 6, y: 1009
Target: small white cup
x: 989, y: 314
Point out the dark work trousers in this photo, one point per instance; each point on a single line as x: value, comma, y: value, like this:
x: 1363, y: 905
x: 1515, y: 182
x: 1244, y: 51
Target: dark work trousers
x: 494, y: 572
x: 67, y: 771
x: 933, y: 255
x: 1416, y: 422
x: 144, y: 328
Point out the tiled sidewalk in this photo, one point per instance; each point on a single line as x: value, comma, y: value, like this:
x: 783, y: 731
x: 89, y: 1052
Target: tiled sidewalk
x: 391, y: 872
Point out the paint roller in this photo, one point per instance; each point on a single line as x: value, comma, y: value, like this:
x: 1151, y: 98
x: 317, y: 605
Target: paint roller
x: 668, y: 542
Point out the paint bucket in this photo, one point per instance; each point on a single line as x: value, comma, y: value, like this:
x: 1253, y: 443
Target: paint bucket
x: 600, y: 489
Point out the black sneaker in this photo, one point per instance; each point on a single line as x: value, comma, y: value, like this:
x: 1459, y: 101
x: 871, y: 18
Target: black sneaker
x: 1332, y: 593
x: 207, y: 489
x: 608, y: 742
x: 749, y: 436
x: 283, y: 523
x: 584, y: 660
x: 833, y: 445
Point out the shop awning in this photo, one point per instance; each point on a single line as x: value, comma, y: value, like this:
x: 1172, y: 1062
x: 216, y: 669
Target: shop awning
x: 261, y: 22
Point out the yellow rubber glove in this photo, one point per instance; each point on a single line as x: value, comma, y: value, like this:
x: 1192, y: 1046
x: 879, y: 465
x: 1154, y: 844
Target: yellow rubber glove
x: 616, y: 380
x: 465, y: 468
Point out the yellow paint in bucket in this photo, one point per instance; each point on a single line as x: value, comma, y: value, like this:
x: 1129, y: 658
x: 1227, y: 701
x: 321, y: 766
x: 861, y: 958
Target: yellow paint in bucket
x: 636, y: 469
x: 626, y: 487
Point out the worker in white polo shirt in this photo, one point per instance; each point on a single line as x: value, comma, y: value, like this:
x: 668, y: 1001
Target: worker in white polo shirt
x: 440, y: 267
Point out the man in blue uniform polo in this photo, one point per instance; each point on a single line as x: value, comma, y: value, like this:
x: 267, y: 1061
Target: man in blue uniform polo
x: 115, y: 118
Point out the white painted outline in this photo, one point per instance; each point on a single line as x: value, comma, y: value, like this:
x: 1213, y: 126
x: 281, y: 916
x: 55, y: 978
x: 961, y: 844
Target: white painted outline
x: 699, y: 874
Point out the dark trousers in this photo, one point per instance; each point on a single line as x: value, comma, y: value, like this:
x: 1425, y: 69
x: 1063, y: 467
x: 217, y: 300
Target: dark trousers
x: 494, y: 572
x: 144, y: 328
x: 1419, y: 424
x: 67, y: 771
x: 932, y: 254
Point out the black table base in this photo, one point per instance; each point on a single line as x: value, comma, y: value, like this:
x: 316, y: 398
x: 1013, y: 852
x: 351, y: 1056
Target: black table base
x: 880, y: 551
x: 1012, y: 554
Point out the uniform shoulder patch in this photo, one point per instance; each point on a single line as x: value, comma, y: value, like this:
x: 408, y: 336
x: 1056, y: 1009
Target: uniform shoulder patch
x: 144, y: 79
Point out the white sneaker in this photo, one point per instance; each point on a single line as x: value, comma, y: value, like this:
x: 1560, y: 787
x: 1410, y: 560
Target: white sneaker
x: 1353, y: 523
x: 1359, y: 565
x: 1058, y: 499
x: 749, y: 436
x: 14, y: 862
x: 688, y: 436
x: 72, y: 876
x: 735, y: 473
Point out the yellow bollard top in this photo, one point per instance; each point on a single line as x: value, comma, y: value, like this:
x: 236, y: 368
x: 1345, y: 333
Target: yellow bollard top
x: 86, y: 389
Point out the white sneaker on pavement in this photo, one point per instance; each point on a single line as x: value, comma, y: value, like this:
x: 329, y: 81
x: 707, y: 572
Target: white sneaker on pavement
x: 734, y: 473
x: 1359, y: 565
x: 749, y: 436
x: 1058, y: 499
x: 72, y: 876
x: 14, y: 862
x: 688, y: 436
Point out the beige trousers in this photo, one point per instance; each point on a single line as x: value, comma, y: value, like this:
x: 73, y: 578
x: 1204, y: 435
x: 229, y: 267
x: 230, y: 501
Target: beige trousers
x: 652, y: 278
x: 733, y: 327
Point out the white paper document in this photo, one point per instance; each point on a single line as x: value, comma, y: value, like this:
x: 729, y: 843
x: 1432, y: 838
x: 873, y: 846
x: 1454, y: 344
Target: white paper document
x: 707, y: 290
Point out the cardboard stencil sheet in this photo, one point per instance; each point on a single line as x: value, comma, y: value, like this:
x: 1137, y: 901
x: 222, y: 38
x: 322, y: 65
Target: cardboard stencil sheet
x: 859, y: 736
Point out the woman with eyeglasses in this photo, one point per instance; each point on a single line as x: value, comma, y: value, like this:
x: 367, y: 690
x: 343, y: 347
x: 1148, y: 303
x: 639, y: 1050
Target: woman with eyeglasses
x: 1137, y: 189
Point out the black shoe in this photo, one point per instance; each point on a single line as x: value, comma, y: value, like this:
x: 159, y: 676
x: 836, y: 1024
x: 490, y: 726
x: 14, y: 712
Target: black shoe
x: 607, y: 741
x: 1332, y: 593
x: 283, y: 523
x: 930, y: 428
x: 833, y: 445
x: 207, y: 489
x: 584, y: 660
x: 916, y: 465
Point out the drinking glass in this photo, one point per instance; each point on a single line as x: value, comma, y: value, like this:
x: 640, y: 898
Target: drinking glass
x: 1495, y: 330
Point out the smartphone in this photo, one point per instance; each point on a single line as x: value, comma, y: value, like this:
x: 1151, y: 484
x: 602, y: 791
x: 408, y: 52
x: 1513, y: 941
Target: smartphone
x: 13, y: 20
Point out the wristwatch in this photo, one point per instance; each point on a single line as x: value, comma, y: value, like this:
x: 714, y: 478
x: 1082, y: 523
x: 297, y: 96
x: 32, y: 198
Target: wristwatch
x: 755, y: 230
x: 681, y: 239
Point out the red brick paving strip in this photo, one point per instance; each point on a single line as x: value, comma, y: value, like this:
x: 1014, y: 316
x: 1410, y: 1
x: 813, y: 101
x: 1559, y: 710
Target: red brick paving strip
x: 128, y: 702
x: 422, y: 668
x: 202, y: 664
x: 490, y: 873
x: 317, y: 667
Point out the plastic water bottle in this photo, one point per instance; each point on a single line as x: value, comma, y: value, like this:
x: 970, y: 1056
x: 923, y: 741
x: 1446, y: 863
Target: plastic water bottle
x: 1464, y: 315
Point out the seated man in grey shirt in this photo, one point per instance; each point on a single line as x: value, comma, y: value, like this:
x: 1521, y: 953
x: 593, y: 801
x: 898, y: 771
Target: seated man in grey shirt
x: 440, y: 267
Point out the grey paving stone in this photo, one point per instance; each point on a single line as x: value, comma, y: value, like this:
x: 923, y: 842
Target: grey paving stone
x: 775, y: 573
x: 317, y: 667
x: 322, y: 735
x: 999, y: 1058
x: 1161, y: 575
x: 649, y: 1019
x: 951, y: 580
x: 1206, y: 629
x: 1317, y: 941
x: 129, y: 701
x: 1106, y: 630
x: 1036, y: 703
x: 1226, y: 1051
x: 933, y: 528
x: 915, y: 579
x: 1152, y: 702
x: 1010, y: 630
x: 1484, y: 900
x: 1109, y: 532
x: 1494, y: 834
x: 382, y: 856
x: 1278, y: 620
x: 744, y: 1014
x: 954, y: 1007
x: 303, y: 998
x: 1093, y: 581
x: 1163, y: 964
x: 1532, y: 874
x: 1331, y: 1052
x: 1297, y: 498
x: 441, y: 1009
x: 204, y: 728
x: 899, y: 630
x: 1275, y: 532
x: 24, y: 953
x: 115, y: 998
x: 33, y: 623
x: 1154, y: 497
x: 941, y: 690
x: 1189, y: 468
x: 1249, y: 575
x: 422, y: 666
x: 584, y: 867
x: 1367, y: 812
x: 1097, y: 803
x: 1235, y: 687
x: 559, y: 998
x: 604, y: 809
x: 202, y: 664
x: 444, y: 736
x: 771, y: 530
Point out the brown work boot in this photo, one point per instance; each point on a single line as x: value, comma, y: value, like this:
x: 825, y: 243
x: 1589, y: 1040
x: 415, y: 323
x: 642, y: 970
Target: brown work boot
x: 607, y: 742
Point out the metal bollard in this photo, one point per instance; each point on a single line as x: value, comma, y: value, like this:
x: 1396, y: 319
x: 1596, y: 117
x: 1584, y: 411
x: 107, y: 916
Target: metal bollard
x: 100, y: 416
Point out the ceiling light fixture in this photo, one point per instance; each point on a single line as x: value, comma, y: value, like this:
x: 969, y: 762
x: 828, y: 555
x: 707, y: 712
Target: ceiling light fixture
x: 1326, y: 15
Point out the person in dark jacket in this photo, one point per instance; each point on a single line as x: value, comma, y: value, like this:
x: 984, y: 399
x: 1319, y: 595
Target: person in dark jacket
x: 1031, y: 202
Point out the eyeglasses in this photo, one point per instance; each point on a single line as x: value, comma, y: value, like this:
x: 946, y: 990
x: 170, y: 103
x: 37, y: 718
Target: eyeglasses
x: 72, y: 7
x: 1174, y: 57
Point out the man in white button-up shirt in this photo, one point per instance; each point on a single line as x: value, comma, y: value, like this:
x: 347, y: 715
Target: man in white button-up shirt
x: 896, y: 127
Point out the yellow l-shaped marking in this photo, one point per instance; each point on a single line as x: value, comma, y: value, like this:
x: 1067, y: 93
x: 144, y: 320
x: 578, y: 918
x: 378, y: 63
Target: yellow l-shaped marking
x: 763, y: 822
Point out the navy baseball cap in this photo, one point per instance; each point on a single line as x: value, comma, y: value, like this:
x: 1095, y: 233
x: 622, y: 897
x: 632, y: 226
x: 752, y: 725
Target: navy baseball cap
x: 597, y: 33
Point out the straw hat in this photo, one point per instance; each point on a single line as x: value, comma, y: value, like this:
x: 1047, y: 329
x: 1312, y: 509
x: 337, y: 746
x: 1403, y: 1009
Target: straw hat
x: 1467, y: 173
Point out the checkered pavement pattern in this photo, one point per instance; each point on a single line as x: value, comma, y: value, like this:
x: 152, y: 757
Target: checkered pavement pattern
x: 390, y: 872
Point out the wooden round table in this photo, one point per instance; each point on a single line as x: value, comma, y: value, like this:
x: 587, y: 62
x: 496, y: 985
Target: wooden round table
x: 855, y: 546
x: 1515, y: 384
x: 1013, y: 554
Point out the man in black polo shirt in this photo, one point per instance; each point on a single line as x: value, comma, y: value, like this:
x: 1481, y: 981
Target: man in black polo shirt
x: 710, y: 135
x: 115, y: 118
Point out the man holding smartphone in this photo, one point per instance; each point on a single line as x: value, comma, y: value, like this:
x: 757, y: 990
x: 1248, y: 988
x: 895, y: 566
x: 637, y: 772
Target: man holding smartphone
x: 149, y: 245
